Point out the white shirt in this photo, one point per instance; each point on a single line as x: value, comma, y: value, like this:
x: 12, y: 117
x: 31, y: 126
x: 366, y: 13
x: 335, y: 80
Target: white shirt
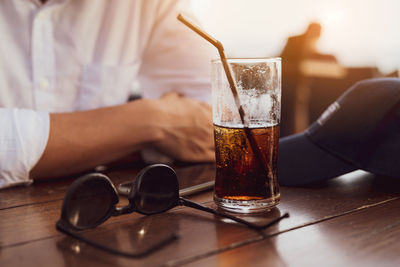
x: 69, y: 55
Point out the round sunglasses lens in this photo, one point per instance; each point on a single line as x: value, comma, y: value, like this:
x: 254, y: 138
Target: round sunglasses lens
x: 90, y: 203
x: 156, y: 189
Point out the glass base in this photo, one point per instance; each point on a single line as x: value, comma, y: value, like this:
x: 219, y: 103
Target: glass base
x: 247, y: 206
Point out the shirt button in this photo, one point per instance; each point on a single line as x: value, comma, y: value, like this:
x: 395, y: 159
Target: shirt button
x: 44, y: 83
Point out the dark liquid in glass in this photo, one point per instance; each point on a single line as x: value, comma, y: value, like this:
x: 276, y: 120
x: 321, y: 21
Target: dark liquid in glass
x: 240, y: 174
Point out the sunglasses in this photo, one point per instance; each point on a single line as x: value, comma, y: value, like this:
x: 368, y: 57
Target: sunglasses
x: 92, y: 199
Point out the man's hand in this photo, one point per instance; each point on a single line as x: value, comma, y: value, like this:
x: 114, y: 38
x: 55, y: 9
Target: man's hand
x: 184, y: 128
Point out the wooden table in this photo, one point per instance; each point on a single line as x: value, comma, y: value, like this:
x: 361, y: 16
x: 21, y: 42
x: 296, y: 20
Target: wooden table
x: 353, y: 220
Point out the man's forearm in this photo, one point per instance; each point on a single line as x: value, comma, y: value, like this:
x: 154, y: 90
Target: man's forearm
x: 82, y: 140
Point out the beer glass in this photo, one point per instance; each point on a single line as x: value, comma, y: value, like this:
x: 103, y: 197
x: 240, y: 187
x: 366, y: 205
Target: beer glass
x: 247, y: 153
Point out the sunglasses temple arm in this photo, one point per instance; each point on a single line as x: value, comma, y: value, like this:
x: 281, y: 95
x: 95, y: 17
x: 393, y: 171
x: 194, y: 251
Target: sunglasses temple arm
x: 191, y: 204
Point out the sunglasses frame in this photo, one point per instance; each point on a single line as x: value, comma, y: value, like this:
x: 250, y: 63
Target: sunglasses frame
x: 63, y: 224
x: 113, y: 210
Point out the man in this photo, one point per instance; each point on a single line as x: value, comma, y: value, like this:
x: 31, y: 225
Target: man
x: 66, y: 69
x: 298, y: 49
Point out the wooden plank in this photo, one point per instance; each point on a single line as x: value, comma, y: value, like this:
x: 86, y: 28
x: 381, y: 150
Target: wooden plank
x: 368, y: 237
x: 53, y: 190
x: 28, y: 229
x: 335, y: 196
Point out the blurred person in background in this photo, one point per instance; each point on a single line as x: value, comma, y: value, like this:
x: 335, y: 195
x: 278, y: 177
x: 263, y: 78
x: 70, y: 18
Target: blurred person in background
x: 66, y: 72
x: 297, y: 49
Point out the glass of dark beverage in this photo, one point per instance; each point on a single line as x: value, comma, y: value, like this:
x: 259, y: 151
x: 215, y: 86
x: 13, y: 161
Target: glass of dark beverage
x: 246, y: 148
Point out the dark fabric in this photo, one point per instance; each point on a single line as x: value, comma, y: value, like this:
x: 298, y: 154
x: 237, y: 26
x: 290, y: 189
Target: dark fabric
x: 361, y: 129
x: 301, y: 162
x: 365, y: 129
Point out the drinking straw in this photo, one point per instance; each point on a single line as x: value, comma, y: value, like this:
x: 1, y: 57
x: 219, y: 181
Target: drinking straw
x: 232, y: 85
x: 224, y: 61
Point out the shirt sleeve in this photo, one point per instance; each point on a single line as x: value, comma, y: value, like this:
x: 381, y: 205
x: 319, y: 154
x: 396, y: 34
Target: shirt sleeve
x: 175, y: 58
x: 23, y: 138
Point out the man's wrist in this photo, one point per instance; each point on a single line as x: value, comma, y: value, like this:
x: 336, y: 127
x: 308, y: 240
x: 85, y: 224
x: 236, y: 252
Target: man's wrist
x: 143, y: 117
